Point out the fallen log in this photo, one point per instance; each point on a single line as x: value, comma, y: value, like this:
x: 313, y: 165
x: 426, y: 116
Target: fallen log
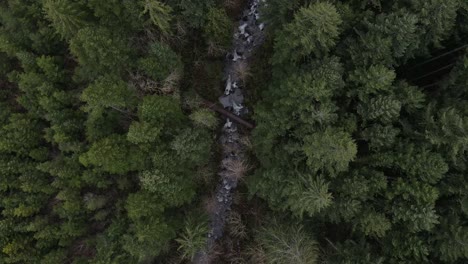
x: 224, y: 112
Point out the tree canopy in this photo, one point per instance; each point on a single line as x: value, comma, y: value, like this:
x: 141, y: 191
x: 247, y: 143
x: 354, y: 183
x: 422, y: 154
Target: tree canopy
x: 110, y: 153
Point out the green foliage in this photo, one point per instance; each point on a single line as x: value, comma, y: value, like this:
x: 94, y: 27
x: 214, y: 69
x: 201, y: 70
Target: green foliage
x: 354, y: 200
x: 217, y: 28
x: 114, y: 154
x: 159, y: 13
x: 278, y: 12
x: 172, y: 189
x: 98, y: 164
x: 109, y: 245
x: 400, y: 28
x: 373, y: 224
x: 192, y: 146
x: 193, y: 238
x: 193, y: 12
x: 108, y: 92
x: 272, y: 184
x: 52, y: 68
x: 451, y: 240
x: 159, y: 116
x: 162, y: 110
x: 375, y: 80
x: 384, y: 149
x: 413, y: 203
x: 352, y: 252
x: 21, y: 135
x: 380, y: 136
x: 151, y: 233
x: 330, y: 151
x: 69, y: 185
x: 100, y: 51
x: 437, y: 18
x: 142, y: 132
x: 160, y: 61
x: 118, y: 15
x: 94, y: 202
x: 412, y: 98
x: 407, y: 246
x: 101, y: 123
x: 312, y: 196
x: 204, y: 118
x: 287, y: 244
x: 384, y: 109
x: 27, y: 60
x: 66, y: 16
x: 314, y: 30
x: 446, y: 129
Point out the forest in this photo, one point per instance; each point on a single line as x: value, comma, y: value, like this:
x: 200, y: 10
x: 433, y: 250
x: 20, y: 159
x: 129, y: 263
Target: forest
x: 353, y: 142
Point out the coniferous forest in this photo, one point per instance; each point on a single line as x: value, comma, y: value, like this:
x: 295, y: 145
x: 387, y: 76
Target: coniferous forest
x: 234, y: 131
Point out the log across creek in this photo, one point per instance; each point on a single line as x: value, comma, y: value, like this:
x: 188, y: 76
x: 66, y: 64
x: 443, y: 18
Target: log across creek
x: 247, y: 38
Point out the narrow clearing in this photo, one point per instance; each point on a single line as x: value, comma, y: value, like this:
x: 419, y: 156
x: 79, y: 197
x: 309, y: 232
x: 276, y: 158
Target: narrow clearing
x: 248, y: 36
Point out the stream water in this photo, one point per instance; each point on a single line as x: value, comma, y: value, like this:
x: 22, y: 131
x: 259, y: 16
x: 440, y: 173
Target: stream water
x: 247, y: 37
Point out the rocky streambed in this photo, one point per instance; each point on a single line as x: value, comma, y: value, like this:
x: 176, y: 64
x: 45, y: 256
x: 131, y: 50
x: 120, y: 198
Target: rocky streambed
x: 248, y: 36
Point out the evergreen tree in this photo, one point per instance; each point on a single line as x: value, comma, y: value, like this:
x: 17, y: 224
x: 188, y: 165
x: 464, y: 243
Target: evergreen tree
x: 100, y: 51
x: 114, y: 154
x: 285, y: 243
x: 160, y: 62
x: 159, y: 14
x: 330, y: 151
x: 66, y: 16
x: 108, y: 92
x: 314, y: 30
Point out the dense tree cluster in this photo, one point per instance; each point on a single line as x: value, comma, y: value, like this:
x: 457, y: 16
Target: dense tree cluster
x: 99, y: 157
x: 361, y: 134
x: 360, y: 146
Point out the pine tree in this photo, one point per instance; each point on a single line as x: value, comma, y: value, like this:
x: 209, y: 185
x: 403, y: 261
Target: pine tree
x: 160, y: 14
x: 193, y: 12
x: 401, y: 245
x: 168, y: 186
x: 372, y: 223
x: 192, y: 146
x: 451, y: 239
x: 447, y: 130
x: 193, y: 238
x: 100, y: 51
x: 21, y: 135
x: 377, y: 79
x: 379, y: 136
x: 383, y: 109
x: 330, y: 151
x: 66, y: 16
x: 437, y: 18
x: 160, y: 61
x: 353, y: 252
x: 217, y: 29
x: 311, y: 196
x: 401, y: 27
x: 150, y: 233
x: 287, y: 244
x: 413, y: 203
x: 111, y: 92
x: 314, y: 30
x: 278, y: 13
x: 114, y: 154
